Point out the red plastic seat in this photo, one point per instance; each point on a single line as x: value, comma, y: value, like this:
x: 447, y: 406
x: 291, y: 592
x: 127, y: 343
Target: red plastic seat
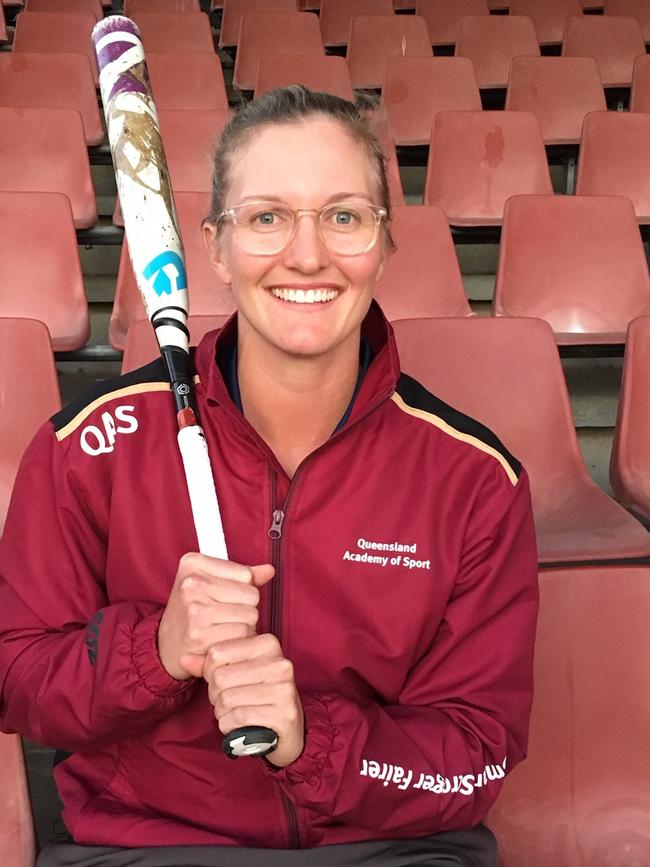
x: 614, y: 158
x: 404, y: 5
x: 549, y: 17
x: 207, y: 294
x: 592, y: 5
x: 167, y: 32
x: 4, y: 36
x: 329, y: 74
x: 559, y: 90
x: 498, y: 5
x: 478, y: 159
x: 580, y: 798
x: 309, y: 5
x: 29, y: 395
x: 17, y: 845
x: 44, y: 150
x: 613, y: 42
x: 234, y: 9
x: 40, y: 260
x: 336, y: 15
x: 443, y: 17
x: 507, y: 374
x: 422, y: 277
x: 638, y: 9
x: 640, y: 93
x: 26, y: 81
x: 416, y: 88
x: 83, y: 7
x: 133, y: 7
x: 629, y: 468
x: 491, y: 41
x: 56, y: 33
x: 375, y: 38
x: 170, y: 74
x: 576, y: 261
x: 273, y: 33
x: 141, y: 346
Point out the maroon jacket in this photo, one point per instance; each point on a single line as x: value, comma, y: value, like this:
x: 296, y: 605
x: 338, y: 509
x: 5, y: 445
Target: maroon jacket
x: 405, y: 595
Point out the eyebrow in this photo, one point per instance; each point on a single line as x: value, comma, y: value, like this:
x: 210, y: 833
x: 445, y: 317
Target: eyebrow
x: 336, y: 197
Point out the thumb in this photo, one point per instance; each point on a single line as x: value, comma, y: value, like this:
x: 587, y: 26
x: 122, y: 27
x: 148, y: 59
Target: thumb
x: 262, y: 574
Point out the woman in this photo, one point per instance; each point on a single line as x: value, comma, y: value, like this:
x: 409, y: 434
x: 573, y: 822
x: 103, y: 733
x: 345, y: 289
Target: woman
x: 378, y: 609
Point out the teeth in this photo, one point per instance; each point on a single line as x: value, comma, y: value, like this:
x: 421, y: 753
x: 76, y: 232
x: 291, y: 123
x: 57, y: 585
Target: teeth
x: 300, y: 296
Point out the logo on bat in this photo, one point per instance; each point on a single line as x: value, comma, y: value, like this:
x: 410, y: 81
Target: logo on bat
x: 167, y: 273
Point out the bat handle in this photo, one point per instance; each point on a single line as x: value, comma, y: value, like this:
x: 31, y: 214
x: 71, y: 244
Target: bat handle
x: 249, y: 741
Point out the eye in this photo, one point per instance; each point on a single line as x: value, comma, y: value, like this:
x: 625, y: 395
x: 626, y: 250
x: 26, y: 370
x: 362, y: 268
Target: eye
x: 343, y: 217
x: 265, y: 218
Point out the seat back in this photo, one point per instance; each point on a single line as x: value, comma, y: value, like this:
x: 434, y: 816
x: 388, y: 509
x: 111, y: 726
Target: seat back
x: 336, y: 15
x: 612, y: 41
x: 17, y: 844
x: 326, y: 73
x: 132, y: 7
x: 234, y: 9
x: 141, y: 346
x: 491, y: 41
x: 637, y: 9
x: 4, y: 36
x: 169, y: 74
x: 167, y: 32
x: 581, y: 796
x: 640, y: 93
x: 559, y: 91
x: 548, y: 17
x: 478, y: 159
x: 83, y: 7
x: 443, y: 17
x: 56, y: 33
x: 422, y: 277
x: 374, y: 38
x: 576, y: 261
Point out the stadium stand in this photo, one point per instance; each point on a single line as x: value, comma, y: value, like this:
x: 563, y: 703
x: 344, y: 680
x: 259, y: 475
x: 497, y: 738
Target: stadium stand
x: 548, y: 17
x: 44, y: 150
x: 614, y: 158
x: 83, y: 7
x: 373, y: 38
x: 560, y: 91
x: 40, y: 261
x: 573, y: 803
x: 478, y: 159
x: 326, y: 73
x: 499, y: 5
x: 141, y: 346
x: 422, y: 277
x: 612, y: 41
x: 592, y: 5
x: 234, y: 9
x: 629, y: 468
x: 171, y: 72
x: 26, y: 81
x: 336, y: 16
x: 416, y: 88
x: 133, y: 7
x: 17, y: 844
x: 638, y: 9
x: 404, y: 5
x: 29, y: 395
x: 309, y: 5
x: 4, y: 35
x: 640, y: 93
x: 273, y: 33
x: 576, y: 261
x: 491, y: 41
x: 56, y: 33
x: 507, y: 374
x: 185, y: 32
x: 443, y: 17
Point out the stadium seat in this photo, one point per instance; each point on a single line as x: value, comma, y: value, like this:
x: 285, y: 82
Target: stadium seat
x: 549, y: 17
x: 576, y: 261
x: 167, y: 32
x: 478, y: 159
x: 44, y: 150
x: 234, y: 9
x: 273, y: 33
x: 498, y: 5
x: 507, y: 374
x: 443, y: 17
x: 581, y: 797
x: 26, y: 81
x: 56, y: 33
x: 416, y: 88
x: 404, y: 5
x: 207, y: 294
x: 29, y: 395
x: 17, y: 845
x: 82, y: 7
x: 629, y: 469
x: 133, y: 7
x: 326, y: 73
x: 592, y: 5
x: 171, y: 72
x: 638, y: 9
x: 612, y: 41
x: 141, y: 346
x: 336, y: 15
x: 491, y: 41
x: 309, y: 5
x: 640, y: 93
x: 373, y: 38
x: 559, y: 90
x: 40, y: 261
x: 422, y: 277
x: 614, y: 158
x: 4, y: 36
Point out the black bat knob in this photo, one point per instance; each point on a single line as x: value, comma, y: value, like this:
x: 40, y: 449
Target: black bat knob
x: 249, y: 741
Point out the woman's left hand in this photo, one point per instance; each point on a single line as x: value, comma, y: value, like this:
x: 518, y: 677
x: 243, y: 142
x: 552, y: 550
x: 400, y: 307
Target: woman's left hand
x: 250, y: 682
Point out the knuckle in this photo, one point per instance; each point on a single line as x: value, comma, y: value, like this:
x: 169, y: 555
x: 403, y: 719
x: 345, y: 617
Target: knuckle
x: 285, y: 668
x: 187, y: 562
x: 239, y: 716
x: 271, y: 644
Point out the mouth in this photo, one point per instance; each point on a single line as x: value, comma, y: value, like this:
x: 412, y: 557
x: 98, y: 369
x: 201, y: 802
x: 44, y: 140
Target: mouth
x: 305, y: 296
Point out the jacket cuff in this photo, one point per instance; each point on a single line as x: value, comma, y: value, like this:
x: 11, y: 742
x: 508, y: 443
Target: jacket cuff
x: 320, y: 736
x: 146, y: 661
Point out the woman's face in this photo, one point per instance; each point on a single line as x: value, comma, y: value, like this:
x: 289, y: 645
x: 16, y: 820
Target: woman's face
x: 303, y: 165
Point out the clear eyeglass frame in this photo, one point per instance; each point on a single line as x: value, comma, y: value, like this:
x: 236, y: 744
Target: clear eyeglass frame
x: 235, y: 213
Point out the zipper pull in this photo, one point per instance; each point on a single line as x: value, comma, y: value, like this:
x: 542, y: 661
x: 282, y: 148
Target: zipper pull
x: 275, y: 530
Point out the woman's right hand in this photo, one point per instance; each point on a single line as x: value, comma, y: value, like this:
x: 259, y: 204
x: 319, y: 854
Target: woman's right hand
x: 212, y: 600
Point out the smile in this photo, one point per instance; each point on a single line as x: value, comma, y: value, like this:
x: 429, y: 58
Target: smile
x: 308, y: 296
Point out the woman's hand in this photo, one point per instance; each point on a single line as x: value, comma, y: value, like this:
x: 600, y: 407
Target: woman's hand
x: 211, y: 601
x: 251, y: 682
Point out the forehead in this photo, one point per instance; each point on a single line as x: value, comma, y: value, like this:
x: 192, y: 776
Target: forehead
x: 301, y: 163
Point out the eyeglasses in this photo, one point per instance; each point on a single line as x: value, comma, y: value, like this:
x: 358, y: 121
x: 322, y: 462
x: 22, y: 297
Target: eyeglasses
x: 266, y: 228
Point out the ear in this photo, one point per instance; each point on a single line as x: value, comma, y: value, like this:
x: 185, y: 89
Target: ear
x: 216, y: 253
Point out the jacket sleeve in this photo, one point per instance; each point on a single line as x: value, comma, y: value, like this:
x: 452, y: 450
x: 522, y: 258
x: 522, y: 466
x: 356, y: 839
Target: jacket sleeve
x: 74, y: 670
x: 435, y: 760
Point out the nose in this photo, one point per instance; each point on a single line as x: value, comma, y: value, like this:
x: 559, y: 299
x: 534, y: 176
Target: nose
x: 306, y: 252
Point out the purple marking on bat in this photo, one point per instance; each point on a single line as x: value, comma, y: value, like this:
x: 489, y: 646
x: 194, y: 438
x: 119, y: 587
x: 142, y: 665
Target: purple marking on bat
x: 112, y: 52
x: 128, y: 84
x: 114, y: 24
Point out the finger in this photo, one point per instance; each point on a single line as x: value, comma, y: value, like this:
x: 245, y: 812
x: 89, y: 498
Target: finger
x: 257, y: 671
x: 271, y: 716
x: 203, y: 566
x: 253, y: 695
x: 216, y: 633
x: 262, y: 574
x: 196, y: 588
x: 201, y: 617
x: 233, y: 650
